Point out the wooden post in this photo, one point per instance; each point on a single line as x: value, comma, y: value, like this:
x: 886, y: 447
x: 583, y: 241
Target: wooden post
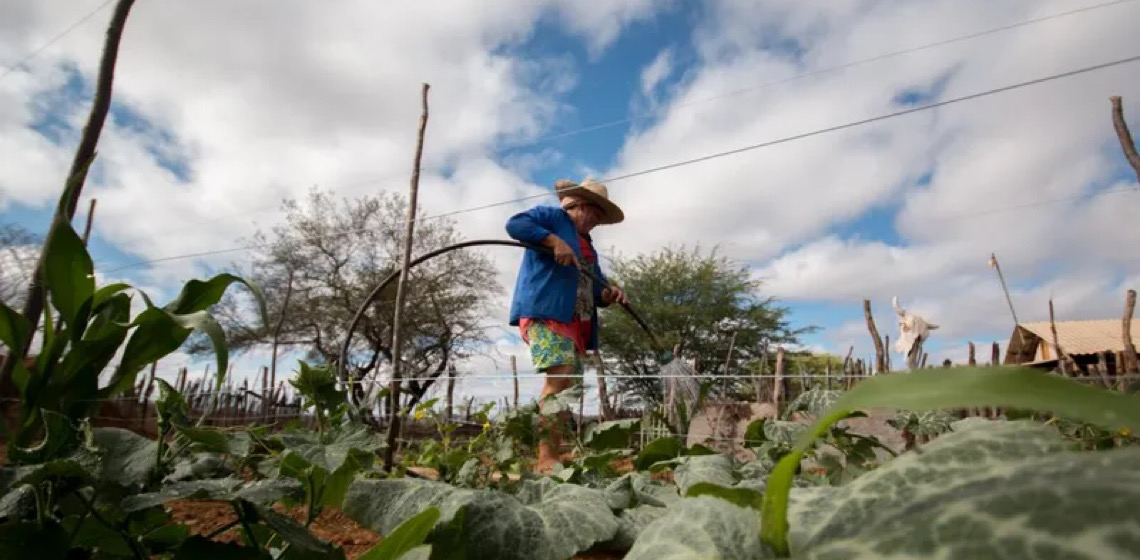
x: 778, y: 381
x: 887, y: 353
x: 1102, y: 368
x: 880, y: 359
x: 760, y: 376
x: 515, y: 377
x: 995, y: 355
x: 401, y: 292
x: 450, y: 391
x: 1130, y: 359
x: 1061, y: 357
x: 605, y: 409
x: 1124, y: 135
x: 972, y: 360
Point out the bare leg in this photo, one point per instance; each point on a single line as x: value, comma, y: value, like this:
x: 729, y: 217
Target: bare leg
x: 549, y: 447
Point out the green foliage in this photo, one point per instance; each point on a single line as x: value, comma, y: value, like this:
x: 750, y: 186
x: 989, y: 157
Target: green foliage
x: 318, y: 388
x: 699, y: 300
x: 1024, y: 388
x: 94, y: 325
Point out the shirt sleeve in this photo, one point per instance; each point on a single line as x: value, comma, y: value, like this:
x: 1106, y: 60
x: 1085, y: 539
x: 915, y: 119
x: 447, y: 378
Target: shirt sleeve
x: 531, y: 226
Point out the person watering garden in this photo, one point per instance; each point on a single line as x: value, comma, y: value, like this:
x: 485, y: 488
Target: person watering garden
x: 555, y: 302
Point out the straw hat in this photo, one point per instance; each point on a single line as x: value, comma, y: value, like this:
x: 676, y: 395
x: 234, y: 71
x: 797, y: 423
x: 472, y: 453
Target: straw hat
x: 594, y: 192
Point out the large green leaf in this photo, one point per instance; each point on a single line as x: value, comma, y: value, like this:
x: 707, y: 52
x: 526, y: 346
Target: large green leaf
x: 68, y: 275
x: 990, y: 489
x: 128, y: 459
x: 198, y: 295
x: 546, y: 521
x: 1002, y: 490
x: 409, y: 535
x: 15, y: 330
x: 29, y: 541
x: 1022, y: 388
x: 257, y: 492
x: 715, y: 469
x: 704, y: 528
x: 614, y: 434
x: 660, y: 449
x: 156, y: 335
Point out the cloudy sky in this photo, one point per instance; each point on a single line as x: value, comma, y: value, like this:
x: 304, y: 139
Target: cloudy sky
x: 224, y: 108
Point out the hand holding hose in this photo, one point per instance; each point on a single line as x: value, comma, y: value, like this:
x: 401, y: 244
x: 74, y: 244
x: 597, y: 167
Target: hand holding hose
x: 563, y: 254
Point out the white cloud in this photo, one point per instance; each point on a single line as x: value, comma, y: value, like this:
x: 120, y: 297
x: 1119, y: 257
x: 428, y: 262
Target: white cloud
x: 1033, y: 151
x: 263, y: 100
x: 656, y: 71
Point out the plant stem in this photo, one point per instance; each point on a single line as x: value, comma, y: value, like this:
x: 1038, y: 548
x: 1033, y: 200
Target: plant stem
x: 134, y: 546
x: 222, y: 529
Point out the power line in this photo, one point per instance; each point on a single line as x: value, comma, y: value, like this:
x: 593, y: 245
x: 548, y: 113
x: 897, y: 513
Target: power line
x: 850, y: 64
x: 695, y: 160
x: 53, y: 40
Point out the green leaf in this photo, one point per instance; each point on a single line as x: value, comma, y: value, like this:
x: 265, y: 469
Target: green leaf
x: 660, y: 449
x: 61, y: 439
x: 302, y: 543
x: 1023, y: 388
x: 258, y: 492
x: 409, y: 535
x: 68, y: 275
x: 156, y: 335
x: 198, y: 547
x: 198, y: 295
x: 25, y: 540
x: 545, y: 521
x: 15, y: 330
x: 128, y: 458
x: 700, y: 528
x: 743, y: 497
x: 614, y: 434
x: 203, y: 321
x: 989, y: 489
x: 93, y: 534
x: 693, y: 470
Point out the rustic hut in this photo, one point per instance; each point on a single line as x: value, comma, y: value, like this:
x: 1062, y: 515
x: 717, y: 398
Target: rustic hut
x: 1031, y: 344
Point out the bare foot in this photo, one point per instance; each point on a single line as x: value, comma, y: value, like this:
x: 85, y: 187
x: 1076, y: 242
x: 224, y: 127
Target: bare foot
x: 546, y: 466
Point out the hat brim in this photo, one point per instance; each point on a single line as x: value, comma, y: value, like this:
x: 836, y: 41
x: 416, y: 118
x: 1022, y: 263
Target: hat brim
x: 612, y: 213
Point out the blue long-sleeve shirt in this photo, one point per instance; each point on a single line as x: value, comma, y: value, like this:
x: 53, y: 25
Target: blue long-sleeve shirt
x: 545, y: 289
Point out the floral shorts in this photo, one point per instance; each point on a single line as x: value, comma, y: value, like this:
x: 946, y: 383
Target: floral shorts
x: 549, y: 349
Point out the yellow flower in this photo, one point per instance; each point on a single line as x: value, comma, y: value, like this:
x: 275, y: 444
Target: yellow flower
x: 419, y: 415
x: 486, y: 425
x: 1125, y: 432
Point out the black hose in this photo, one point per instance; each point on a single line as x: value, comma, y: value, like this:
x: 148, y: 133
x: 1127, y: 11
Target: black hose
x: 341, y: 364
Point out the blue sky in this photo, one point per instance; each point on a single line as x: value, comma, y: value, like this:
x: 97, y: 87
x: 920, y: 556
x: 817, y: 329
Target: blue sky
x: 212, y: 127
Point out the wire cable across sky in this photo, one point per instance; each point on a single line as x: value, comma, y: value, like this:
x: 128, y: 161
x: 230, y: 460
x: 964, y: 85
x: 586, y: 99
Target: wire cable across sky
x: 700, y: 159
x: 753, y: 88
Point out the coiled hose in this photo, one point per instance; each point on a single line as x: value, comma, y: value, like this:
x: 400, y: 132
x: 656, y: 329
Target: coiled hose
x: 342, y: 362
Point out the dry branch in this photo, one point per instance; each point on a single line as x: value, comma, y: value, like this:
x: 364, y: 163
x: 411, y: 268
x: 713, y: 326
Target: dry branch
x: 401, y: 292
x: 1124, y: 135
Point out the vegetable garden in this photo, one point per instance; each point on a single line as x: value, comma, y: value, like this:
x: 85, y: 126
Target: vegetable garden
x: 1055, y: 476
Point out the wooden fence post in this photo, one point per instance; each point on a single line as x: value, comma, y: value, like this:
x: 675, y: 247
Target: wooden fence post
x: 880, y: 358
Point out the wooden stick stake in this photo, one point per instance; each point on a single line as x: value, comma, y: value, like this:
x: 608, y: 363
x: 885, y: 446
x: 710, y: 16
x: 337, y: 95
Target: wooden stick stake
x: 880, y: 358
x: 1129, y: 365
x: 401, y: 292
x: 1125, y: 137
x: 515, y: 377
